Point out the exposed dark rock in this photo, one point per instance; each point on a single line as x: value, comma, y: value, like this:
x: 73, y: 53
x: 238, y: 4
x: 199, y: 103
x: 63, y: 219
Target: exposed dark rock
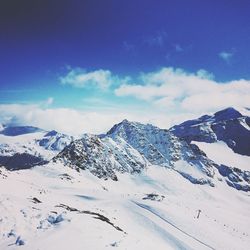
x: 153, y: 197
x: 97, y: 216
x: 227, y: 125
x: 21, y: 161
x: 236, y: 177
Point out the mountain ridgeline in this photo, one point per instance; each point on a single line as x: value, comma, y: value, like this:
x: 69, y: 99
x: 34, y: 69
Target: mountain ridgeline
x: 23, y: 147
x: 132, y: 147
x: 228, y: 125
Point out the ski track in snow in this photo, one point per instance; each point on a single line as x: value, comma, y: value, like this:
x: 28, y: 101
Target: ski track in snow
x: 151, y: 210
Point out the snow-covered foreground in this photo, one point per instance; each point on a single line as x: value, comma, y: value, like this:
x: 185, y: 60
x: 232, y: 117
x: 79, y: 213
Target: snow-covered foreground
x: 55, y: 207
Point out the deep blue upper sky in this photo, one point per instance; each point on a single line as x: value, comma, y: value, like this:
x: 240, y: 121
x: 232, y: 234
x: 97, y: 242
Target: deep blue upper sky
x: 39, y: 38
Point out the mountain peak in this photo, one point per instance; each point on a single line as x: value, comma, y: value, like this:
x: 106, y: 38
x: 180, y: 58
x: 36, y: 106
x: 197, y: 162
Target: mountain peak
x: 123, y: 125
x: 227, y: 114
x: 125, y: 121
x: 51, y: 133
x: 227, y: 125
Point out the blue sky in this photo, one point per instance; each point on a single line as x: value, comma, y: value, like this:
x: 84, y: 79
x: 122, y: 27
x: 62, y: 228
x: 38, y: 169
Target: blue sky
x: 97, y: 57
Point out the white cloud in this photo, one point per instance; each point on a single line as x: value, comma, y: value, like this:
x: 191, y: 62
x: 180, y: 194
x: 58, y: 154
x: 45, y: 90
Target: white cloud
x: 139, y: 91
x: 188, y: 92
x: 61, y: 119
x: 75, y: 122
x: 167, y: 101
x: 226, y: 56
x: 204, y: 74
x: 80, y: 78
x: 171, y: 96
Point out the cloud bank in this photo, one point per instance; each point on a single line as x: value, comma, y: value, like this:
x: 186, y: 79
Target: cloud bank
x: 82, y: 79
x: 188, y: 92
x: 164, y: 98
x: 76, y: 122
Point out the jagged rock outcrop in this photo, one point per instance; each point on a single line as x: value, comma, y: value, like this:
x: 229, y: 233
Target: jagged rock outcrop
x: 55, y: 141
x: 236, y: 177
x: 102, y: 157
x: 130, y: 147
x: 161, y: 147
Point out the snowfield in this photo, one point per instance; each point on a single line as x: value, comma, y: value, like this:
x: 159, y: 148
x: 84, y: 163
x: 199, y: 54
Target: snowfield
x: 55, y: 207
x: 222, y: 154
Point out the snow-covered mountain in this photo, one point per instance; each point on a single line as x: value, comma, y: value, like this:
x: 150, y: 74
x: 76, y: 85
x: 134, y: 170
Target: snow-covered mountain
x: 26, y: 146
x: 102, y: 157
x: 54, y: 141
x: 225, y: 138
x: 227, y: 125
x: 131, y: 146
x: 163, y: 148
x: 135, y: 187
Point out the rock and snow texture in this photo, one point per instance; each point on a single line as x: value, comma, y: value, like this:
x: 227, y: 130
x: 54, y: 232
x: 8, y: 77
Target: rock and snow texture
x: 163, y: 148
x: 228, y: 125
x: 26, y: 146
x: 102, y: 157
x: 132, y: 188
x: 55, y: 141
x: 225, y: 139
x: 130, y: 147
x: 235, y: 168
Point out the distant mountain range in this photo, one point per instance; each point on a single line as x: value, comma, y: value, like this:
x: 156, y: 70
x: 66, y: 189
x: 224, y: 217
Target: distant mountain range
x: 23, y: 147
x: 130, y: 147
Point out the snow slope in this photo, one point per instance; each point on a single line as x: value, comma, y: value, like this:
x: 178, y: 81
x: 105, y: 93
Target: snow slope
x: 222, y: 154
x: 67, y: 209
